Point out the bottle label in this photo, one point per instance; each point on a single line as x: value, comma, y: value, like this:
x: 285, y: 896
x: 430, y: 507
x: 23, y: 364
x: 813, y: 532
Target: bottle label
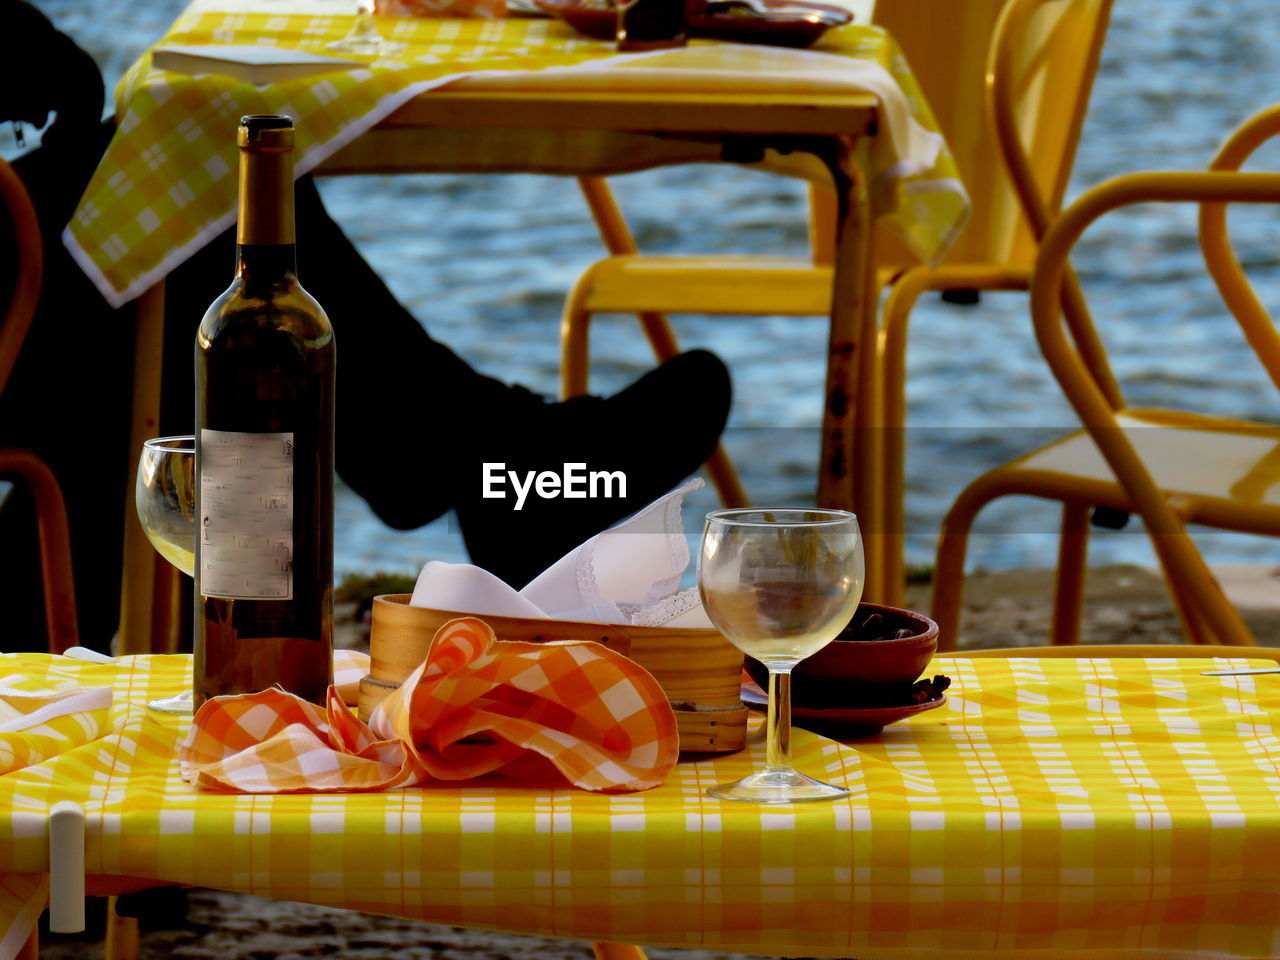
x: 246, y: 523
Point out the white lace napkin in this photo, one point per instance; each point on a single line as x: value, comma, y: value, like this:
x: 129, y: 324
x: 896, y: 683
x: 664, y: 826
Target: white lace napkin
x: 630, y: 573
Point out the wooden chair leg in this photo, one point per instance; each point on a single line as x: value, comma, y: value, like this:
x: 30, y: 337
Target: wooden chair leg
x: 575, y: 326
x: 122, y: 935
x: 31, y: 949
x: 617, y: 951
x: 724, y: 477
x: 1068, y: 600
x: 140, y: 557
x: 166, y: 610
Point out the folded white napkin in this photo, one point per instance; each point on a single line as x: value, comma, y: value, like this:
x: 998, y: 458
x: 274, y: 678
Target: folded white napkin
x: 630, y: 573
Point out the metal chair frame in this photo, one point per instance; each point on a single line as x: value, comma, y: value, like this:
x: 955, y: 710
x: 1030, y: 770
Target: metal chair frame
x: 1069, y: 349
x: 22, y: 465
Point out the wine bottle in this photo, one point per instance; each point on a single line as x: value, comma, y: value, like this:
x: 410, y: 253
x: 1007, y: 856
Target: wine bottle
x: 264, y: 451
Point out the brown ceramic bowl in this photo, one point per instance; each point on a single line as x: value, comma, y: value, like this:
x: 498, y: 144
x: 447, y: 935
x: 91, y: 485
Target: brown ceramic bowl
x: 853, y: 672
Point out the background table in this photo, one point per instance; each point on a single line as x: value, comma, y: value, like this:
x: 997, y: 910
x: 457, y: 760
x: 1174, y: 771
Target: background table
x: 504, y: 96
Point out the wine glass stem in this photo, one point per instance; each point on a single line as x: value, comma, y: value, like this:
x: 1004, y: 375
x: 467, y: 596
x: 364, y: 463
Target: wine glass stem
x: 778, y: 744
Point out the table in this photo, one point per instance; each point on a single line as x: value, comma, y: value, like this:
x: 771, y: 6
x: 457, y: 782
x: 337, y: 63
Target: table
x: 482, y: 98
x: 1050, y: 808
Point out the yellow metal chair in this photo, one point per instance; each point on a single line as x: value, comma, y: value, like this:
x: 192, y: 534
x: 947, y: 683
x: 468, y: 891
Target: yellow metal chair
x: 22, y: 465
x: 1171, y: 467
x: 1027, y: 66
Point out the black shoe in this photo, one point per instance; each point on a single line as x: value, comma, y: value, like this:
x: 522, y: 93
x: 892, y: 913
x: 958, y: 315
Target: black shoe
x: 654, y: 433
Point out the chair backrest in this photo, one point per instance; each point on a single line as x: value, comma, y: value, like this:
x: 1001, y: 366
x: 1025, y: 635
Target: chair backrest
x: 18, y: 217
x: 1094, y: 370
x: 1043, y: 54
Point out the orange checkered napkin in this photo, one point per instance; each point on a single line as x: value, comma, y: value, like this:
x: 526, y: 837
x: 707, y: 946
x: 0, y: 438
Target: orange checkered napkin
x: 348, y: 667
x: 476, y: 706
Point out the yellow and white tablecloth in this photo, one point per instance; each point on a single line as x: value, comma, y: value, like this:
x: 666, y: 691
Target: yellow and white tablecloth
x: 167, y: 183
x: 1051, y: 808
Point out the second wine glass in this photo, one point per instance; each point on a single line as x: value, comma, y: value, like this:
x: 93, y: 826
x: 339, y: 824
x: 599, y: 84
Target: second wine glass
x: 165, y: 497
x: 780, y: 585
x: 364, y: 38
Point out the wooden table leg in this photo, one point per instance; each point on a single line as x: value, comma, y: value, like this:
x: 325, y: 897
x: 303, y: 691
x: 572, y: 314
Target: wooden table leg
x: 140, y: 559
x: 122, y: 935
x: 849, y: 474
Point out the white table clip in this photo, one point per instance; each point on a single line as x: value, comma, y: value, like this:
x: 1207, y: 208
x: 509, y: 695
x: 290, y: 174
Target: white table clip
x: 66, y: 867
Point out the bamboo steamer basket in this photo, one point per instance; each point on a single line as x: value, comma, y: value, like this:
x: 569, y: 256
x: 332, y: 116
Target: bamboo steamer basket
x: 699, y: 669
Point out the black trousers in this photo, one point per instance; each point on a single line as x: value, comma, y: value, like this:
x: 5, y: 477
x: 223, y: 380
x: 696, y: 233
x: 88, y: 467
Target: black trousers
x: 68, y: 399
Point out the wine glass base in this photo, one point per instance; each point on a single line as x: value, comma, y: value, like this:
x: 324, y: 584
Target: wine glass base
x: 365, y: 47
x: 180, y: 705
x: 778, y: 786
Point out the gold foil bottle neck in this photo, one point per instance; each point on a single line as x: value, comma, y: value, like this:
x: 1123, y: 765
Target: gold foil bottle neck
x: 269, y: 132
x: 266, y: 181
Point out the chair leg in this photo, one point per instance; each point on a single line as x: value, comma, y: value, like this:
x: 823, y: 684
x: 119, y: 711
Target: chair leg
x: 1068, y: 600
x: 31, y: 949
x: 617, y: 239
x: 575, y: 325
x: 166, y: 611
x: 893, y: 364
x: 55, y: 545
x: 575, y: 343
x: 140, y: 557
x: 1207, y: 615
x: 953, y: 544
x: 122, y: 935
x: 724, y: 476
x: 617, y: 951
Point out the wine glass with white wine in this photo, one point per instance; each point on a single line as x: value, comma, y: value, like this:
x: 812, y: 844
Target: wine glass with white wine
x: 780, y: 585
x: 364, y: 38
x: 165, y: 497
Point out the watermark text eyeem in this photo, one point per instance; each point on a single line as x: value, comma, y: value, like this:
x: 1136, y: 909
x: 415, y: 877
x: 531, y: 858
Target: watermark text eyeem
x: 573, y: 482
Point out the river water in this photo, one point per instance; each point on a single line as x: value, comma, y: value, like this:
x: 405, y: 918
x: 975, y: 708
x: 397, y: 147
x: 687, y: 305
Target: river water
x: 485, y: 263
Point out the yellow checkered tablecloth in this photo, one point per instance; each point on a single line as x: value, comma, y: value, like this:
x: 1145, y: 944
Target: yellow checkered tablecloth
x: 167, y: 183
x: 1050, y: 808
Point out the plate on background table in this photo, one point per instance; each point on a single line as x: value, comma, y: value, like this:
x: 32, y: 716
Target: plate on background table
x: 842, y: 722
x: 787, y: 23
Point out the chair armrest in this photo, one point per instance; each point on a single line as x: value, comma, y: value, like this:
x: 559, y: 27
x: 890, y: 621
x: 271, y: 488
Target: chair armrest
x: 1078, y: 382
x: 1220, y: 259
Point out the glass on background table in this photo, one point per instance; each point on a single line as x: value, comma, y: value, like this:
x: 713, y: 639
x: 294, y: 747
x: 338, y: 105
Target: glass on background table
x: 364, y: 38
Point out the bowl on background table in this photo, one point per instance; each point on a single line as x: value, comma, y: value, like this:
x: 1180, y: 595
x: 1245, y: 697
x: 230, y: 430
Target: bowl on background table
x: 863, y: 680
